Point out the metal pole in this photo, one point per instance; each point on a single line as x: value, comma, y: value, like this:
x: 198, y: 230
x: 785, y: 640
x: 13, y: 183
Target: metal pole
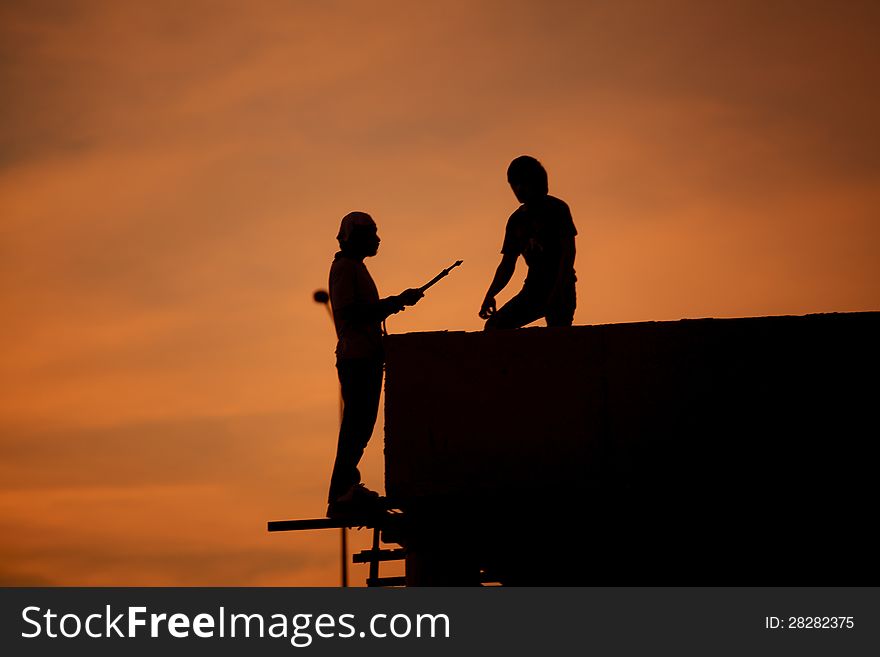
x: 323, y: 297
x: 344, y: 536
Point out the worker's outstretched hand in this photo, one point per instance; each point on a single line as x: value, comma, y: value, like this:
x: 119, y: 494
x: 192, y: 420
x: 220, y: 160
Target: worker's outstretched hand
x: 488, y: 308
x: 410, y: 297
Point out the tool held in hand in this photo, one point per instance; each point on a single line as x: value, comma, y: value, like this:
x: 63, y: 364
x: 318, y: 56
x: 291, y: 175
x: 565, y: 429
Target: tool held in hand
x: 443, y: 273
x: 424, y: 287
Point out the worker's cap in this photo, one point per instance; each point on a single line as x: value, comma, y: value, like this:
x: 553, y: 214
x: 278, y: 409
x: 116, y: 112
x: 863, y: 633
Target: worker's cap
x: 351, y: 221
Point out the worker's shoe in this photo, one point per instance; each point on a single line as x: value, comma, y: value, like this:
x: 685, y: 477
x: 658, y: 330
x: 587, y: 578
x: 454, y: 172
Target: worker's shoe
x: 356, y: 501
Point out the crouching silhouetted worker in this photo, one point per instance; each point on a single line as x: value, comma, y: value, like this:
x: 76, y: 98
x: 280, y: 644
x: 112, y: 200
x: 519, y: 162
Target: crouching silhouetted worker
x: 542, y: 232
x: 358, y: 313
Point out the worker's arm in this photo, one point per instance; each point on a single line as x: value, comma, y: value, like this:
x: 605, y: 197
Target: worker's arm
x: 502, y: 277
x: 347, y: 307
x: 378, y: 310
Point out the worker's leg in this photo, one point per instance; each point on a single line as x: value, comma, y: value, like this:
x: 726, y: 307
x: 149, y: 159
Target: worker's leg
x: 519, y: 311
x: 361, y: 383
x: 561, y: 313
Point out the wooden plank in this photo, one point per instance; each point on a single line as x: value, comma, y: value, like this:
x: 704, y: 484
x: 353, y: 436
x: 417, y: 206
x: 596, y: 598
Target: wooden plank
x: 386, y: 581
x: 323, y: 523
x: 367, y: 556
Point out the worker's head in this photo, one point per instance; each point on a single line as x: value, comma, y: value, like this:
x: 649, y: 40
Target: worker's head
x: 358, y: 235
x: 527, y: 179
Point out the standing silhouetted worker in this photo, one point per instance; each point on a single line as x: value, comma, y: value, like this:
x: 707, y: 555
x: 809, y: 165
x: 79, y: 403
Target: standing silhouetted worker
x: 358, y: 313
x: 542, y: 232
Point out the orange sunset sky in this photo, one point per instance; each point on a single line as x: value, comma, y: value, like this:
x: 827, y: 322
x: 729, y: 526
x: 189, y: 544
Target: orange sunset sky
x: 172, y: 175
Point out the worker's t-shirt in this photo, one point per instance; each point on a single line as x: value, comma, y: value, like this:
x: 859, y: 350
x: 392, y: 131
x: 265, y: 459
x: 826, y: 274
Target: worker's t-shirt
x: 351, y: 284
x: 539, y: 231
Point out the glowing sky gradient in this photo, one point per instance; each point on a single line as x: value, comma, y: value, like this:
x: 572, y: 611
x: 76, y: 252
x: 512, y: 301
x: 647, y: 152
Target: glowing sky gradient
x: 172, y: 175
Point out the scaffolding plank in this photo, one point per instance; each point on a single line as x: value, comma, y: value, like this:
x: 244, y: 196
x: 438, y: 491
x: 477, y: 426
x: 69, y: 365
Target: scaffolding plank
x: 386, y: 581
x: 383, y: 555
x: 323, y: 523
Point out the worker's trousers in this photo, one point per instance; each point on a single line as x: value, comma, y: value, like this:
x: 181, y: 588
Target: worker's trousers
x: 360, y: 381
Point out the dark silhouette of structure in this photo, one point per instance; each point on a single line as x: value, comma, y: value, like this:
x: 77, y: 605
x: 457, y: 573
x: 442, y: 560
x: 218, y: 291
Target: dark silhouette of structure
x: 542, y: 232
x: 697, y: 452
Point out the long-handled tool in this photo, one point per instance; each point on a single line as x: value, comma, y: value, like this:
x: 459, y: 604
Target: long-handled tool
x: 442, y: 274
x: 424, y: 287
